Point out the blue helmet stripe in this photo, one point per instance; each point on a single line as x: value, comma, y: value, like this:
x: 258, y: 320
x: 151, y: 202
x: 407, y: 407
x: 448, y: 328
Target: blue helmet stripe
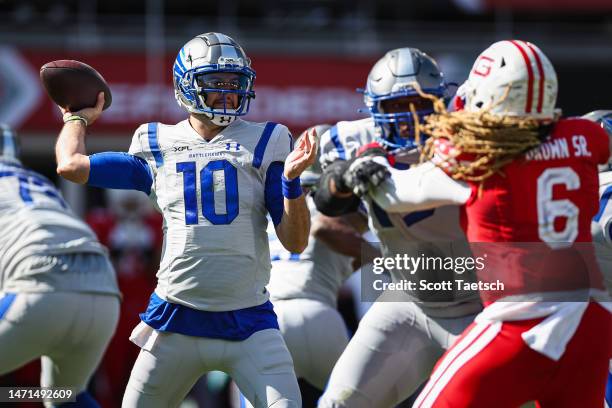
x: 179, y: 60
x: 178, y: 72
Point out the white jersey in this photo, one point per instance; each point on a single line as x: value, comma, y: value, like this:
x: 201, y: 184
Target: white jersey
x: 212, y: 198
x: 601, y: 228
x: 317, y: 273
x: 430, y: 232
x: 36, y: 225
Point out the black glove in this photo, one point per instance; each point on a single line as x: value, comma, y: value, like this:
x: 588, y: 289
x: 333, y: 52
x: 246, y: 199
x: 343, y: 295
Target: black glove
x: 363, y: 174
x: 336, y: 172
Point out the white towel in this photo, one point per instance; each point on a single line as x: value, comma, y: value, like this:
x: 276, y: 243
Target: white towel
x: 144, y: 336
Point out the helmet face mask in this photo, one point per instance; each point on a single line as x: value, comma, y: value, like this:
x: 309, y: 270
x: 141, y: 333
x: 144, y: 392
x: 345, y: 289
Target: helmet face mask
x: 214, y: 63
x: 390, y: 91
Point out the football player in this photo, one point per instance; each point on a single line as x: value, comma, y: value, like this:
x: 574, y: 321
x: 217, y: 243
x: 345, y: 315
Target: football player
x: 523, y: 176
x: 400, y: 338
x: 59, y: 298
x: 304, y: 287
x: 214, y: 177
x: 601, y: 227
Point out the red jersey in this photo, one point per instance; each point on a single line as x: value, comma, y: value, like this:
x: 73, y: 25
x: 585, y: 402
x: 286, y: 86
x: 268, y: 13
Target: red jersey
x: 550, y: 195
x: 532, y: 221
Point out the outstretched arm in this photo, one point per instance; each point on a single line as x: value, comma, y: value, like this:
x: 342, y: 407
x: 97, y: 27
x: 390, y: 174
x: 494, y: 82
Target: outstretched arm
x: 70, y: 152
x: 419, y: 188
x: 106, y: 170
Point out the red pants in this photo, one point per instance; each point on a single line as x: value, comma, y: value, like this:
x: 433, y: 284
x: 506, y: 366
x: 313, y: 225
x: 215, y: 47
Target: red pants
x: 491, y: 366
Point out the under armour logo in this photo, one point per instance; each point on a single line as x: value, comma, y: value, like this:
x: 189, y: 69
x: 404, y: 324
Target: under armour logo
x: 232, y: 146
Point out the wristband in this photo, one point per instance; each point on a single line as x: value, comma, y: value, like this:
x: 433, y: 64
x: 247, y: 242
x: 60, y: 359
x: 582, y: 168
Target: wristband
x: 72, y: 118
x: 291, y: 188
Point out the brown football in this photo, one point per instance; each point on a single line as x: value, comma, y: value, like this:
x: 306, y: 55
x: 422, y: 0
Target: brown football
x: 74, y: 85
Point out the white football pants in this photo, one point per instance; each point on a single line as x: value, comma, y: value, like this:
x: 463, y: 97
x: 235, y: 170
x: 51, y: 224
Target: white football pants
x: 69, y: 330
x: 392, y: 353
x: 169, y: 364
x: 316, y: 336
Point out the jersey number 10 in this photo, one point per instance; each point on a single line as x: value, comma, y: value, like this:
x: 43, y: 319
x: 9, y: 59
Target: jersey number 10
x: 207, y: 191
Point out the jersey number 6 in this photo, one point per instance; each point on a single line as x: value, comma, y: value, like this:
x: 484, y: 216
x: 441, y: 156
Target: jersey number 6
x: 549, y: 209
x: 207, y: 191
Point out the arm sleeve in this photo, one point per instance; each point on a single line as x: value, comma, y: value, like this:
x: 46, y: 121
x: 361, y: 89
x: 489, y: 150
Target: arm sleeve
x: 419, y: 188
x: 273, y: 192
x: 120, y: 171
x: 280, y: 145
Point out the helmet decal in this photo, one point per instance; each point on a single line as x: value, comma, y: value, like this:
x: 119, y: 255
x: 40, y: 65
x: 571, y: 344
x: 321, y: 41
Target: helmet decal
x: 513, y: 78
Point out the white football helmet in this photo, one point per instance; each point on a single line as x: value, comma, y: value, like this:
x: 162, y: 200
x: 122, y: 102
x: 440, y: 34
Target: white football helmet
x: 9, y: 145
x: 202, y: 66
x: 519, y: 68
x: 604, y: 118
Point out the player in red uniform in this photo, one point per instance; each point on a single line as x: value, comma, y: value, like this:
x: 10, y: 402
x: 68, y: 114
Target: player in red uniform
x: 528, y: 184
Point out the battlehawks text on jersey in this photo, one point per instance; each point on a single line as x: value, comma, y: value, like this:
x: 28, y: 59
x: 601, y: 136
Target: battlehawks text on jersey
x: 212, y: 197
x: 37, y: 223
x: 431, y: 233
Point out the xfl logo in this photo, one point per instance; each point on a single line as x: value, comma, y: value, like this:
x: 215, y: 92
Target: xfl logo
x: 232, y: 146
x: 483, y: 66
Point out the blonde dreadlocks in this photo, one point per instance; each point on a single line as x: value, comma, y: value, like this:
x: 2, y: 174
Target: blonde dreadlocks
x: 491, y: 140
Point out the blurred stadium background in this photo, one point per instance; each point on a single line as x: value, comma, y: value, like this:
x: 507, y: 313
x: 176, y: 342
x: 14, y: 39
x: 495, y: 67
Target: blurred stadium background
x: 309, y: 55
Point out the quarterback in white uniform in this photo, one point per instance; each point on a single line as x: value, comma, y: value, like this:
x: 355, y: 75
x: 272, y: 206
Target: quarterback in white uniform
x: 59, y: 298
x: 214, y: 177
x: 399, y: 339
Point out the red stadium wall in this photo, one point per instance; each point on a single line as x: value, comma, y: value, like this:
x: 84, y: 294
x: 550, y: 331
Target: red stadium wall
x: 296, y: 91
